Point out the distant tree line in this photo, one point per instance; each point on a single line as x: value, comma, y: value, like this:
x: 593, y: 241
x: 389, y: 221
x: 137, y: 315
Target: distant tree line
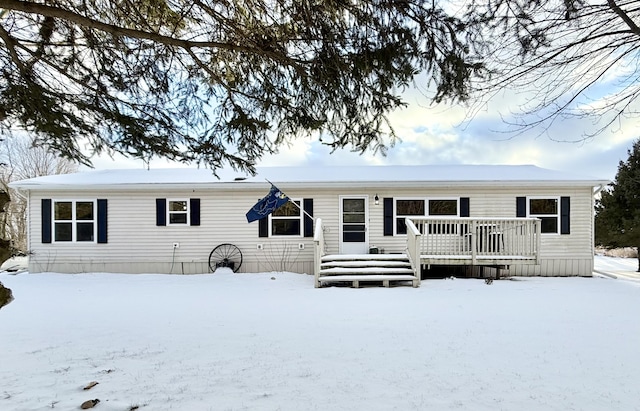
x: 21, y: 159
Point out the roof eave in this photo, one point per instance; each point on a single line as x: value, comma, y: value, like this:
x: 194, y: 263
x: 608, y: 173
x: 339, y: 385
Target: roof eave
x: 247, y: 185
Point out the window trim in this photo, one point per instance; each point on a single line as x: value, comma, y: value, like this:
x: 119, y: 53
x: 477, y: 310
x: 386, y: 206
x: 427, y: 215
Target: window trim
x: 558, y: 214
x: 74, y: 221
x: 169, y: 212
x: 299, y: 202
x: 426, y: 210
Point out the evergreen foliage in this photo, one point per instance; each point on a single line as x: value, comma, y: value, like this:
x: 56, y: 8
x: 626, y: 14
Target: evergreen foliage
x: 617, y: 222
x: 224, y: 81
x: 227, y: 81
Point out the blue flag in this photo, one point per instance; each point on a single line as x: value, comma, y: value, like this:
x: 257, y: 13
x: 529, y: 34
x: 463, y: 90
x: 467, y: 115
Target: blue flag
x: 270, y: 203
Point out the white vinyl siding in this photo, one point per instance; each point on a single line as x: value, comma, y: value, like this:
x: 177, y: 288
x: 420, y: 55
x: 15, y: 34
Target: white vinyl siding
x: 137, y: 245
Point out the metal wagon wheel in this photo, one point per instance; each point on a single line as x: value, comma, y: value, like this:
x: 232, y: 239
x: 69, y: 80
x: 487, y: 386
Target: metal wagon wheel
x: 225, y: 255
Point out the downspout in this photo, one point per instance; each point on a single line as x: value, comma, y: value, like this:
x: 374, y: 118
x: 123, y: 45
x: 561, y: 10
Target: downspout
x: 598, y: 189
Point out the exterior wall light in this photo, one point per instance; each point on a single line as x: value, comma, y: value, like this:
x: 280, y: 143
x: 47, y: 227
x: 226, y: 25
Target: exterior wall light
x: 376, y: 199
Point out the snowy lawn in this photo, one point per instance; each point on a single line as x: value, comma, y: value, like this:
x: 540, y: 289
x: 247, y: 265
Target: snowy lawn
x: 249, y: 342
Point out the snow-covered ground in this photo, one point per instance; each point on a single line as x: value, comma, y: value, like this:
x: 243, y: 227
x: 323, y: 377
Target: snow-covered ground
x: 270, y: 341
x: 617, y: 267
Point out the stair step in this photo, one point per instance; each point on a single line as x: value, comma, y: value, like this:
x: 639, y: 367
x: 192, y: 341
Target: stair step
x: 368, y: 278
x: 364, y: 257
x: 363, y: 263
x: 366, y: 270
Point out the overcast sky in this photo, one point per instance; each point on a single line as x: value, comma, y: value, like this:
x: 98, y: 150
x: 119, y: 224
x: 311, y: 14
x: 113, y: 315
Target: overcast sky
x: 445, y: 135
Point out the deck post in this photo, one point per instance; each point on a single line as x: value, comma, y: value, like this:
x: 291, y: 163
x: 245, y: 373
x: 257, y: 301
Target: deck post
x: 318, y: 251
x: 474, y: 248
x: 538, y: 225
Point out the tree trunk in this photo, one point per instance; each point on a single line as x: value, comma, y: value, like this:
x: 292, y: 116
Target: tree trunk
x: 5, y: 250
x: 5, y: 295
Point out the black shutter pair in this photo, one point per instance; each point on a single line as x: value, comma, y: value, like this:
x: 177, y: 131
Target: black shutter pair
x: 161, y: 211
x: 565, y: 212
x: 47, y: 220
x: 387, y: 204
x: 307, y: 206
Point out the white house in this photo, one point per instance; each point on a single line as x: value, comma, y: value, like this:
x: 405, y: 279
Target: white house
x: 519, y: 220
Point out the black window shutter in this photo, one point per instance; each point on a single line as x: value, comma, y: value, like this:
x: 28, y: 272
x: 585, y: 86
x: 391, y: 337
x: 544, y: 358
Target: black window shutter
x: 194, y: 206
x: 102, y: 221
x: 161, y: 211
x: 263, y: 227
x: 387, y: 204
x: 46, y: 220
x: 307, y: 205
x: 464, y: 206
x: 521, y: 206
x: 565, y: 213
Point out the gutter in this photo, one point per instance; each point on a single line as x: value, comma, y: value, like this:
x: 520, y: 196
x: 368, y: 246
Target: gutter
x: 249, y: 185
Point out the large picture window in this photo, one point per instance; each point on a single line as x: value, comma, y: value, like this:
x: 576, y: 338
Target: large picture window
x: 287, y: 220
x: 74, y: 220
x: 548, y: 211
x: 423, y: 208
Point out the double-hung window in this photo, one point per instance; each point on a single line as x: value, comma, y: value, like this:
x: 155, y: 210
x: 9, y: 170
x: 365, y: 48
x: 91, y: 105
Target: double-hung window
x: 178, y: 211
x: 74, y: 221
x: 287, y: 220
x: 547, y: 209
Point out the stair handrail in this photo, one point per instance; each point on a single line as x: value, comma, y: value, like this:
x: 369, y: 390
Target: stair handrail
x: 413, y: 249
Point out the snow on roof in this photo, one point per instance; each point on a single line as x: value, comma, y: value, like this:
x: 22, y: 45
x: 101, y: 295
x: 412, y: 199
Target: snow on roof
x: 316, y: 176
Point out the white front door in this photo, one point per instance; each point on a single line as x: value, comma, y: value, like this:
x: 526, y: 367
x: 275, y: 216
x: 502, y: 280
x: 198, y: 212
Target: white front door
x: 354, y: 218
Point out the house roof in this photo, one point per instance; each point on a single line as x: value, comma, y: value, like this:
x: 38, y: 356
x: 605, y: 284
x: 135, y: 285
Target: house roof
x: 328, y: 176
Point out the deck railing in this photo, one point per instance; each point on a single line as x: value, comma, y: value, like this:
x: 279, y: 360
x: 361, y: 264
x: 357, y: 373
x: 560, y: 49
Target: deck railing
x: 479, y: 238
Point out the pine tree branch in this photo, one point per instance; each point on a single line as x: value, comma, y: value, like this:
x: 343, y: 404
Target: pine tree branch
x: 57, y: 12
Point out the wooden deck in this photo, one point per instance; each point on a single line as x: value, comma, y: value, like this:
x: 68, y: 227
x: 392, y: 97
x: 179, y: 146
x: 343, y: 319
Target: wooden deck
x: 474, y: 241
x: 493, y: 242
x: 487, y: 260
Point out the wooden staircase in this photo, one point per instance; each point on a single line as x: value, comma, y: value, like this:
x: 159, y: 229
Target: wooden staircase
x: 386, y: 269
